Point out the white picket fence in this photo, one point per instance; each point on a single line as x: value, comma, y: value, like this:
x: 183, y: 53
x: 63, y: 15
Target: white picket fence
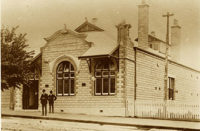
x: 172, y: 110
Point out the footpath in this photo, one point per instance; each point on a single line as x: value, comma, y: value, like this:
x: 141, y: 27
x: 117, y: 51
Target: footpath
x: 105, y: 120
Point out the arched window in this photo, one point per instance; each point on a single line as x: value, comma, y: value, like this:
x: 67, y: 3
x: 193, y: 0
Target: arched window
x: 65, y: 78
x: 105, y: 78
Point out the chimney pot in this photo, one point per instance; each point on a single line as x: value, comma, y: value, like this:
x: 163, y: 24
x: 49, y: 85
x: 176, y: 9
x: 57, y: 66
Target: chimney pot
x: 175, y: 22
x: 65, y: 27
x: 123, y: 31
x: 94, y: 20
x: 86, y: 19
x: 143, y: 2
x: 153, y: 33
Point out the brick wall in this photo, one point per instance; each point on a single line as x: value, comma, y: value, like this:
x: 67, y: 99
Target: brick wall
x: 5, y: 99
x: 175, y: 41
x: 143, y: 25
x: 84, y: 100
x: 150, y: 79
x: 126, y: 67
x: 187, y: 83
x: 129, y: 73
x: 15, y: 95
x: 18, y: 98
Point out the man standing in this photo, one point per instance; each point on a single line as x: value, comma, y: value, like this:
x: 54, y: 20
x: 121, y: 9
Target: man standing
x: 43, y: 99
x: 51, y: 99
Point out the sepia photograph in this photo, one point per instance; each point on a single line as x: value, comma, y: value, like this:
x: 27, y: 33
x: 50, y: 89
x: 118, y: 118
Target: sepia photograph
x: 100, y: 65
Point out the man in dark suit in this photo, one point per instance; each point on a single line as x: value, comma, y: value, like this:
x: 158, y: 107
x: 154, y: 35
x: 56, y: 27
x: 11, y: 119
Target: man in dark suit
x: 43, y: 100
x: 51, y: 99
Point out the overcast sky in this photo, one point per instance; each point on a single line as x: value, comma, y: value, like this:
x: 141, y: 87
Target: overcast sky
x: 41, y: 18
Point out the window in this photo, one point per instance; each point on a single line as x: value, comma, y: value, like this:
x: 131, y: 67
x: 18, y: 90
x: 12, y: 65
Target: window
x: 154, y: 46
x: 151, y: 46
x: 171, y: 88
x: 105, y: 78
x: 65, y: 78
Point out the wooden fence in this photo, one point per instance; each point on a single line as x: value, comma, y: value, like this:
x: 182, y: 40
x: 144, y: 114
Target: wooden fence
x: 168, y: 110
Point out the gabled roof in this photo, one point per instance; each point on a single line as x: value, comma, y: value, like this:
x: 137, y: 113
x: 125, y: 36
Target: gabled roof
x: 103, y: 43
x: 87, y: 26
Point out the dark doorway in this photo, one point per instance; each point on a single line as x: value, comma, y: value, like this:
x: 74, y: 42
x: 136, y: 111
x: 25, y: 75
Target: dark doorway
x: 30, y: 95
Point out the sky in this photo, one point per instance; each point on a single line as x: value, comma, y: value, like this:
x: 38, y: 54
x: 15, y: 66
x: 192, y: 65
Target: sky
x: 41, y: 18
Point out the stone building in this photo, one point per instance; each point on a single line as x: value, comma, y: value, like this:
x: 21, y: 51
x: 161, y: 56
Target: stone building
x: 93, y: 71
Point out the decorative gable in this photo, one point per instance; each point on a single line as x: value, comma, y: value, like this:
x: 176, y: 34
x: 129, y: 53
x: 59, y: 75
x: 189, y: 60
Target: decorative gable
x: 64, y: 36
x: 87, y: 27
x: 64, y: 32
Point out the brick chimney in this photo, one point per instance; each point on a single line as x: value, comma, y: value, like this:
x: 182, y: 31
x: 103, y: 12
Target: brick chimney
x: 123, y: 32
x: 126, y: 67
x: 175, y: 41
x: 143, y: 24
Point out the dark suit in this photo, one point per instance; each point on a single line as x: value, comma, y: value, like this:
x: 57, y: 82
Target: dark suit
x: 43, y: 100
x: 51, y: 99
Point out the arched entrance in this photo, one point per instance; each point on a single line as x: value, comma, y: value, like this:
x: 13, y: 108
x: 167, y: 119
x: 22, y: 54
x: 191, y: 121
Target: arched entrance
x: 30, y: 92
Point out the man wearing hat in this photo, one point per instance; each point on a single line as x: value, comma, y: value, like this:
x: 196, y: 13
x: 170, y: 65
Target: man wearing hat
x: 43, y: 99
x: 51, y: 99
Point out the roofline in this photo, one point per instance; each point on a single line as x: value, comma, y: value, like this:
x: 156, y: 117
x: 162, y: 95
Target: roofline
x: 164, y: 58
x: 94, y: 56
x: 103, y: 55
x: 114, y: 50
x: 37, y: 56
x: 149, y: 35
x: 157, y: 38
x: 86, y: 22
x: 65, y: 31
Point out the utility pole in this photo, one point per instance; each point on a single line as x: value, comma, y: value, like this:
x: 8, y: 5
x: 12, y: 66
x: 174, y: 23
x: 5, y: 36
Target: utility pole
x: 166, y: 62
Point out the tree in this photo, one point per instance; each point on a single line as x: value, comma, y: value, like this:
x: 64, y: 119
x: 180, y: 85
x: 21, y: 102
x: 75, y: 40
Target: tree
x: 15, y: 60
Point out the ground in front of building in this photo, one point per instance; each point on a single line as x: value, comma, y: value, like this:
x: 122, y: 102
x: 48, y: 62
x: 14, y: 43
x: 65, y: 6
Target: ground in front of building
x: 23, y: 124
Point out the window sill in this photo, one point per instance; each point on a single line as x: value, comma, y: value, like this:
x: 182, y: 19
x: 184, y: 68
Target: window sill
x: 65, y: 95
x: 104, y: 94
x: 170, y: 100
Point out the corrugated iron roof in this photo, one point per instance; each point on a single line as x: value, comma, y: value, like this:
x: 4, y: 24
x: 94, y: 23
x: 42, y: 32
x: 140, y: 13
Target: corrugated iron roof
x: 102, y: 44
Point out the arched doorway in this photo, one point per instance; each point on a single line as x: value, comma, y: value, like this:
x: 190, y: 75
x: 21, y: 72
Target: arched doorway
x: 30, y: 95
x: 30, y: 92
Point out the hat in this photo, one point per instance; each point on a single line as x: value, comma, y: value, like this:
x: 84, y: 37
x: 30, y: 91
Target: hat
x: 43, y: 90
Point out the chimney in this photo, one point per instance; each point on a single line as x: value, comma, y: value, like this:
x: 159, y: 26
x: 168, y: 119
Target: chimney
x: 123, y: 32
x: 143, y: 25
x: 175, y: 41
